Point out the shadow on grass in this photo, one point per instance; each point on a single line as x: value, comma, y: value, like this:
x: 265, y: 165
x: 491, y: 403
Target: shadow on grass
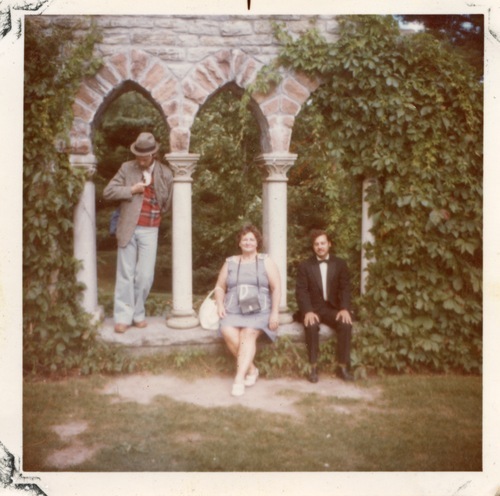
x: 413, y: 423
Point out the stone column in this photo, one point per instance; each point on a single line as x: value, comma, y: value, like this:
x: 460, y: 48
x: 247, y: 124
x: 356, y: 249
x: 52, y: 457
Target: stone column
x: 276, y: 165
x: 366, y: 235
x: 84, y: 235
x: 183, y: 315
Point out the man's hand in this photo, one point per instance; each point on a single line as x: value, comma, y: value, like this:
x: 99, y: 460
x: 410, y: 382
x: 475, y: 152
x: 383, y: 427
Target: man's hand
x: 138, y: 188
x: 310, y: 318
x: 344, y: 316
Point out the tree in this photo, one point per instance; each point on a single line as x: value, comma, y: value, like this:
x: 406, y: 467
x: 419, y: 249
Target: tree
x: 227, y: 185
x: 465, y: 32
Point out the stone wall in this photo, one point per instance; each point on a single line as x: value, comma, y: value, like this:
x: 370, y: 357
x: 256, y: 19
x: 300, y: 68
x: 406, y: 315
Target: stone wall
x: 181, y: 41
x: 180, y: 61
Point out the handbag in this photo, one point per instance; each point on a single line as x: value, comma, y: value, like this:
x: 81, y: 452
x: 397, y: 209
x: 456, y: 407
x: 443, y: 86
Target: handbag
x: 208, y: 315
x: 251, y: 304
x: 248, y: 299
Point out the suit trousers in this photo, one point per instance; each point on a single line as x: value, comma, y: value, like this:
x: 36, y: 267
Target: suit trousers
x: 327, y: 315
x: 135, y: 269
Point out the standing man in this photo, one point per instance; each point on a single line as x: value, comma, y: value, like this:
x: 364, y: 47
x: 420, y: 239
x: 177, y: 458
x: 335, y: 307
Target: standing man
x: 144, y: 188
x: 323, y: 293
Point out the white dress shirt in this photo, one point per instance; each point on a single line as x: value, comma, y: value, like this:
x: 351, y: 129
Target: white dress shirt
x: 323, y: 268
x: 146, y: 174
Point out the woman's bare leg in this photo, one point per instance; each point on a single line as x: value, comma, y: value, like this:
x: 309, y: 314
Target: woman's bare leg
x: 246, y: 354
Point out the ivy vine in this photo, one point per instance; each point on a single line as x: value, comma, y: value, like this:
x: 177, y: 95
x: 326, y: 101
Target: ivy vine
x: 406, y: 110
x: 58, y: 335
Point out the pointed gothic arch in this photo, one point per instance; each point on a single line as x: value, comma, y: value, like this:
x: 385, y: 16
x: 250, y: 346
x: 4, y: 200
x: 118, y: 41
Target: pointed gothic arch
x: 179, y: 99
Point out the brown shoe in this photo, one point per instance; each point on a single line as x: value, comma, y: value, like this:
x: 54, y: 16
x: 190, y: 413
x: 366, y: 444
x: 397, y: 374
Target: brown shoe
x: 121, y: 328
x: 141, y: 325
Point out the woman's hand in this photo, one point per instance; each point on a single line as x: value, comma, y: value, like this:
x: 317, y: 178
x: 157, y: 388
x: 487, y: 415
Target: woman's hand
x: 221, y: 311
x: 274, y: 321
x: 220, y: 291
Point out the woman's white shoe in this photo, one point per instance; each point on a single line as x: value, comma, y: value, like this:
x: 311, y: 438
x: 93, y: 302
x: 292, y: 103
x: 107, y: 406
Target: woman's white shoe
x: 238, y: 389
x: 251, y: 379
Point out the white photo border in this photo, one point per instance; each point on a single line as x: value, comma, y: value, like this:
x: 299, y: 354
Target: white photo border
x: 485, y: 483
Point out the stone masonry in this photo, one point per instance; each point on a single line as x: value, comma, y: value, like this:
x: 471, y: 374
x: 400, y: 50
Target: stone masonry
x: 180, y: 61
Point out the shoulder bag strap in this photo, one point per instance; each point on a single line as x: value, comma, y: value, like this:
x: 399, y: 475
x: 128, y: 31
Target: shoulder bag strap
x: 256, y: 268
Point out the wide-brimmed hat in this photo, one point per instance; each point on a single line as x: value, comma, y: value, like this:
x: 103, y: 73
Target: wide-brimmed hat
x: 145, y: 144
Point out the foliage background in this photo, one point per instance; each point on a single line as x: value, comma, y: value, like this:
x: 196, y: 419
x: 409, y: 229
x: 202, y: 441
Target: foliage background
x: 58, y: 335
x: 407, y: 111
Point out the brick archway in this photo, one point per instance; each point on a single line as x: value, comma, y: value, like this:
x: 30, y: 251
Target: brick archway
x: 141, y: 68
x: 180, y: 99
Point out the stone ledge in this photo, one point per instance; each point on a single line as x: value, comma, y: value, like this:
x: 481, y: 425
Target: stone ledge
x: 158, y: 337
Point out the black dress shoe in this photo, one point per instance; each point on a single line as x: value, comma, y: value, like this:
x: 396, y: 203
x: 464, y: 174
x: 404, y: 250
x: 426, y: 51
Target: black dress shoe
x: 313, y: 376
x: 344, y: 374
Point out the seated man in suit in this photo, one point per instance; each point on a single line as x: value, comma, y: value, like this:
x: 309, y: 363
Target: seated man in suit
x: 323, y: 293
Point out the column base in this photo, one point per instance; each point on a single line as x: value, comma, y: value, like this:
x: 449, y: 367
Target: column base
x: 285, y: 317
x: 183, y: 321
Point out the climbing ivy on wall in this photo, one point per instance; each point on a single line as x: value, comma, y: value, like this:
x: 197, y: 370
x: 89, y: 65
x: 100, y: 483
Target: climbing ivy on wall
x: 58, y: 335
x: 321, y: 195
x: 406, y: 111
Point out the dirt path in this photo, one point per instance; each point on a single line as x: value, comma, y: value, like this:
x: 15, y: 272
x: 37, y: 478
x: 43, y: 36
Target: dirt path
x: 267, y: 395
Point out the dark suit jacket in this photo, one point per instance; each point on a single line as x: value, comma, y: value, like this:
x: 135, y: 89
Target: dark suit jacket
x: 309, y: 288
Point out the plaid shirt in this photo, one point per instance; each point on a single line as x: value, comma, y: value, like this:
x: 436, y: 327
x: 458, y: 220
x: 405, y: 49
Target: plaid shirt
x: 150, y: 211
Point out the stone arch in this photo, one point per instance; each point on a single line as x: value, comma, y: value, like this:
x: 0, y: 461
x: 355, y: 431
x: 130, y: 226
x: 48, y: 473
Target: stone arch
x: 275, y: 113
x: 180, y: 99
x: 282, y: 105
x: 277, y: 109
x: 133, y: 69
x: 214, y: 72
x: 136, y: 66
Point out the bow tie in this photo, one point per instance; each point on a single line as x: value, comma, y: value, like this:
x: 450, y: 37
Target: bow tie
x: 322, y: 261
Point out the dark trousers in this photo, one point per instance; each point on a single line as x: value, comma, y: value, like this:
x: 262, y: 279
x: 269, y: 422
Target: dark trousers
x: 327, y: 316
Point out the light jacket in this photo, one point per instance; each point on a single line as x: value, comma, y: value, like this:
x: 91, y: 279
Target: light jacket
x: 119, y: 188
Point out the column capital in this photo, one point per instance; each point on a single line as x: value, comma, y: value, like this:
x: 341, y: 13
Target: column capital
x: 88, y: 162
x: 276, y: 165
x: 182, y: 165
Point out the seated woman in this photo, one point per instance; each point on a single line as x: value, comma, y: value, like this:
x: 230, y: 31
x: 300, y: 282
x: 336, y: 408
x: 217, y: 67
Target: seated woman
x: 250, y: 273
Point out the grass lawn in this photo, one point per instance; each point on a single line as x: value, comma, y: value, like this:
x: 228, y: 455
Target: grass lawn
x: 416, y: 423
